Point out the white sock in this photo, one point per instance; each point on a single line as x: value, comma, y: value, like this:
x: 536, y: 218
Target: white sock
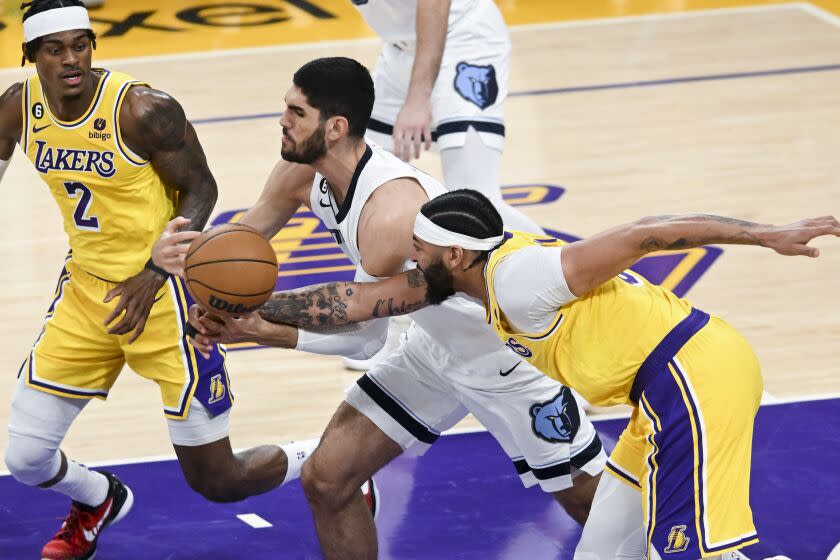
x: 82, y: 484
x: 296, y: 453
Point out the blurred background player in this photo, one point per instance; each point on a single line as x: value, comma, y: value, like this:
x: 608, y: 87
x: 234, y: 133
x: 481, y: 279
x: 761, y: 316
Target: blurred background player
x: 120, y: 159
x: 442, y: 77
x: 448, y: 364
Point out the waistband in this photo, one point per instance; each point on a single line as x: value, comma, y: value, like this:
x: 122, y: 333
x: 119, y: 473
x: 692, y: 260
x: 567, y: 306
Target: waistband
x: 666, y: 350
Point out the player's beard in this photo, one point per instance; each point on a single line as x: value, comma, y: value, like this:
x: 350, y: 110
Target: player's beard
x: 309, y: 150
x: 439, y: 282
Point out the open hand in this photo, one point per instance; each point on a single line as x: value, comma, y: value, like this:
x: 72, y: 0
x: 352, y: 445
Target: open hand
x: 792, y: 239
x: 137, y: 295
x: 413, y: 127
x: 170, y: 250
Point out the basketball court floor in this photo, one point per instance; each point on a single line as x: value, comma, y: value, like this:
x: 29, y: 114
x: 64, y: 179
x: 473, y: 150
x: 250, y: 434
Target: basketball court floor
x: 618, y: 109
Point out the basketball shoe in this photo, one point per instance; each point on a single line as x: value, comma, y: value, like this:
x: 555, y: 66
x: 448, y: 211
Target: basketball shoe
x: 371, y: 494
x: 79, y: 533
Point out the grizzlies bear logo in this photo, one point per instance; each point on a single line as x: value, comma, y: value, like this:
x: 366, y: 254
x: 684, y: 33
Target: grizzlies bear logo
x: 557, y: 420
x: 476, y: 84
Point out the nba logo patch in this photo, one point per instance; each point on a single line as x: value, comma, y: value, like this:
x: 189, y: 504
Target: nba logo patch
x: 217, y: 389
x: 677, y: 540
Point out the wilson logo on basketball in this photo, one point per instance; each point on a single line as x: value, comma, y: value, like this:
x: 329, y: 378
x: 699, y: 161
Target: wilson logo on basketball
x: 308, y: 254
x: 233, y: 309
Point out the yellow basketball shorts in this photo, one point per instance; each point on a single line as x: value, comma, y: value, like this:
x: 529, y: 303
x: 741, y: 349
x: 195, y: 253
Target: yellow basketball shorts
x: 688, y: 444
x: 74, y: 356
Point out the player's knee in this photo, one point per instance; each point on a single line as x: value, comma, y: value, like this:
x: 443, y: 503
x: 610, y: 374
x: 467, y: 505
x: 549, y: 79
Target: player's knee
x: 29, y: 461
x: 325, y: 485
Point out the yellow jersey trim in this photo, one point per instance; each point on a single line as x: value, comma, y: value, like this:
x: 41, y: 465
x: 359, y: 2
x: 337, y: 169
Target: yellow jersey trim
x: 126, y: 152
x: 94, y: 104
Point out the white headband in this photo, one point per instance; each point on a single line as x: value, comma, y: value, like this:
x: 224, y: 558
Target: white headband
x: 54, y: 21
x: 430, y: 232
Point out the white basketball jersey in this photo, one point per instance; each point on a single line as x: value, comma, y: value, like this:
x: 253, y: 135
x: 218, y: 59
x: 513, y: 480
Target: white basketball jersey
x: 457, y: 324
x: 395, y: 20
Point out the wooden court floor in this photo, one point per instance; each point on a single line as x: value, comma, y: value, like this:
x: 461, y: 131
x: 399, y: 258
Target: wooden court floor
x: 731, y: 112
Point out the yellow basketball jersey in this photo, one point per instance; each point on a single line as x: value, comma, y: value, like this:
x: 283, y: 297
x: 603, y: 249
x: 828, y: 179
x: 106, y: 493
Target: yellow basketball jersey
x: 597, y: 342
x: 113, y: 203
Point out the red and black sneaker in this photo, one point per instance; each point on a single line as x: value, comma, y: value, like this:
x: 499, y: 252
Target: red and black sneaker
x: 76, y: 540
x: 371, y: 494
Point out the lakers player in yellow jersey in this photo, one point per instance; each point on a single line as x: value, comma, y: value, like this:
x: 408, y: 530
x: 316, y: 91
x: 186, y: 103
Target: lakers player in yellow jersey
x: 121, y: 161
x: 576, y: 313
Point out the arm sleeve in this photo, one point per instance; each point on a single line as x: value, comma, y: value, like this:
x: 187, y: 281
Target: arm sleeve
x: 358, y: 344
x: 530, y: 287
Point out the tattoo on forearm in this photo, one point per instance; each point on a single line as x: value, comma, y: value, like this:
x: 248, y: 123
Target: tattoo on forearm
x: 743, y: 237
x: 389, y: 308
x: 318, y: 307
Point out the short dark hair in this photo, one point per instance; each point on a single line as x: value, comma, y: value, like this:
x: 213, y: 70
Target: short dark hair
x: 38, y: 6
x: 338, y: 86
x: 467, y: 212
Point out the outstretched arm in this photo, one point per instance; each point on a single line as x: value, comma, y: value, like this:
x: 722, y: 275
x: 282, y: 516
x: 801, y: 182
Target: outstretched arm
x: 590, y: 262
x: 326, y: 306
x: 321, y: 314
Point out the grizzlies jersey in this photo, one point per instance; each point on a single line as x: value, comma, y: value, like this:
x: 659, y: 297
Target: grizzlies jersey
x: 457, y: 323
x: 596, y: 343
x: 395, y: 20
x: 113, y: 203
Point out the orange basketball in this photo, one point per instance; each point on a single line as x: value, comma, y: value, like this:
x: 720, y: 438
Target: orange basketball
x: 231, y: 269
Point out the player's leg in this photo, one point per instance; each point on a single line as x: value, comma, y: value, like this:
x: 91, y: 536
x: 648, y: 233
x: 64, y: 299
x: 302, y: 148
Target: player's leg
x: 351, y: 451
x: 614, y: 529
x: 197, y: 399
x: 699, y: 412
x: 563, y: 456
x: 391, y: 409
x: 476, y: 165
x: 468, y: 105
x: 72, y: 361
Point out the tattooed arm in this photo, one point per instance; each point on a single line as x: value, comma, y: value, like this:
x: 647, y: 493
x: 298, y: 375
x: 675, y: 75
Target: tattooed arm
x: 590, y: 262
x: 325, y: 307
x: 331, y: 311
x: 155, y: 127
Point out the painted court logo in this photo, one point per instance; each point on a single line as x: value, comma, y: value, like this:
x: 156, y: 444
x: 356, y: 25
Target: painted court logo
x: 308, y: 254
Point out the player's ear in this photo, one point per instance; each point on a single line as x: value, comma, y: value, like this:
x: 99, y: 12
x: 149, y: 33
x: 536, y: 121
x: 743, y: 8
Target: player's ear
x: 453, y: 257
x: 337, y: 128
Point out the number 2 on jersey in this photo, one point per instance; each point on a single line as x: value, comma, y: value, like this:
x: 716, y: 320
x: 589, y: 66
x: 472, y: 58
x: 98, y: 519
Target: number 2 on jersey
x: 80, y: 217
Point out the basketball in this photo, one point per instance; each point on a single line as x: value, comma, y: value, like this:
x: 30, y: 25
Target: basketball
x: 231, y: 269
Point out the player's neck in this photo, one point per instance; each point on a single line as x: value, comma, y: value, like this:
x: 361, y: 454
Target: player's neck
x: 339, y: 165
x: 70, y: 108
x: 471, y: 282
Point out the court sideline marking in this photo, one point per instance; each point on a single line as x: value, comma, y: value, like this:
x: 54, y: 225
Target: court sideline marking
x: 454, y: 431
